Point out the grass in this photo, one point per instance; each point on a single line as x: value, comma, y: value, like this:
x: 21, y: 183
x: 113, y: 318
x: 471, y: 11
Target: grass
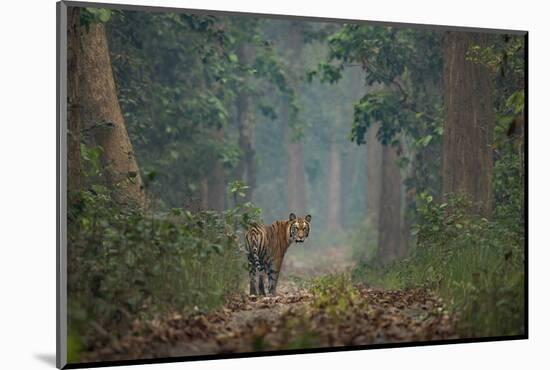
x: 475, y: 265
x: 484, y: 288
x: 125, y: 265
x: 334, y: 294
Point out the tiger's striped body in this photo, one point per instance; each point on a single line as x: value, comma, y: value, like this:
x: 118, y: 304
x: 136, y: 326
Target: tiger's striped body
x: 266, y: 246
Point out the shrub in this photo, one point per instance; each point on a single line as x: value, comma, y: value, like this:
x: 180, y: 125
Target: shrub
x: 126, y: 264
x: 475, y: 264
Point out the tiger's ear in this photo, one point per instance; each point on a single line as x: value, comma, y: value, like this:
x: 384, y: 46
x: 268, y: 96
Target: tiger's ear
x: 292, y: 217
x: 308, y: 218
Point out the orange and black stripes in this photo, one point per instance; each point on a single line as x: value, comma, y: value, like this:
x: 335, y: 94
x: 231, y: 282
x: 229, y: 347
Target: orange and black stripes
x: 266, y: 246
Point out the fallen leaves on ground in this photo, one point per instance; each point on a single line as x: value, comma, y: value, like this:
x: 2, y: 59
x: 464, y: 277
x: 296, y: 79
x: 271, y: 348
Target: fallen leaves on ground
x: 295, y: 318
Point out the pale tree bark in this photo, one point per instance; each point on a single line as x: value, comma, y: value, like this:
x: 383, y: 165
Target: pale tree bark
x: 296, y: 178
x: 390, y: 221
x: 203, y: 201
x: 386, y: 221
x: 296, y: 183
x: 73, y: 103
x: 469, y: 121
x: 352, y: 154
x: 216, y: 181
x: 374, y: 180
x: 334, y: 178
x: 246, y: 168
x: 102, y: 115
x: 348, y: 159
x: 408, y: 198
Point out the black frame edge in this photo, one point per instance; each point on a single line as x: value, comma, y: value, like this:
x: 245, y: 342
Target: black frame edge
x: 526, y: 183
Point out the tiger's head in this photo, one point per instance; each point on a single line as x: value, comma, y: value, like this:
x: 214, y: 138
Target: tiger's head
x: 298, y: 228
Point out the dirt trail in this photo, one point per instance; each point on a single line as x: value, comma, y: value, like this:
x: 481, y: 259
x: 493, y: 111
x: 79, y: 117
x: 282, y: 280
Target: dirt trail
x: 295, y: 318
x: 253, y: 323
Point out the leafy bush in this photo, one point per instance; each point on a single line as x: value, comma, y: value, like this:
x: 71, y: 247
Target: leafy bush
x: 475, y: 264
x: 334, y: 294
x: 126, y: 264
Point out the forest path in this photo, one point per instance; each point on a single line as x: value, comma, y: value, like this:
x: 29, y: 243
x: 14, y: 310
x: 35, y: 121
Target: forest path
x: 260, y: 323
x: 296, y: 318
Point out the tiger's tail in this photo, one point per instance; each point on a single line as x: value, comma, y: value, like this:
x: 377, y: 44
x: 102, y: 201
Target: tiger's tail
x: 255, y: 239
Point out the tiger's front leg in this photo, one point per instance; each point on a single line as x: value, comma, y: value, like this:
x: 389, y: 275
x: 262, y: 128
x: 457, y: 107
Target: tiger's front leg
x: 261, y: 286
x: 264, y: 270
x: 272, y: 277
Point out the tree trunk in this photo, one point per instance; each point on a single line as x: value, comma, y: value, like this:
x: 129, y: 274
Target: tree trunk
x: 469, y: 121
x: 389, y: 231
x: 333, y: 214
x: 374, y: 180
x: 216, y: 188
x: 203, y: 201
x: 408, y: 199
x: 296, y: 178
x: 246, y: 169
x: 102, y: 115
x: 296, y: 183
x: 408, y: 196
x: 348, y: 177
x: 216, y: 182
x: 73, y: 103
x: 352, y: 154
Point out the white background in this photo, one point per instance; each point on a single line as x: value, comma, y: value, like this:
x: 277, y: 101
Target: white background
x: 27, y: 182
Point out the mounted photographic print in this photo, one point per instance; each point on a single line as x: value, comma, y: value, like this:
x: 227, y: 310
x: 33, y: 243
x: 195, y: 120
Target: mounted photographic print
x: 236, y: 185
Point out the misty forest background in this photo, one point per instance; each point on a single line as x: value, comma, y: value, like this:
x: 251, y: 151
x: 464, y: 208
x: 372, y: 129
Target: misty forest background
x: 405, y: 145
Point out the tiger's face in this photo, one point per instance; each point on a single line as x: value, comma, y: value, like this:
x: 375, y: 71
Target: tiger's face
x: 299, y: 228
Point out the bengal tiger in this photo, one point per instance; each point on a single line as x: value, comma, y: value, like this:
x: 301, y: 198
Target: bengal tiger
x: 266, y: 246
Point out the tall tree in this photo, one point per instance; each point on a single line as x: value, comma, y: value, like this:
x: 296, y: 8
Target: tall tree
x: 404, y: 114
x: 385, y: 216
x: 334, y: 178
x: 216, y: 180
x: 246, y: 168
x: 469, y: 121
x: 390, y: 219
x: 374, y: 180
x: 102, y: 115
x: 348, y: 159
x: 351, y: 155
x: 296, y: 182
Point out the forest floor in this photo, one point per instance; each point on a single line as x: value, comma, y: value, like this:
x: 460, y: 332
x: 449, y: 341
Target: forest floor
x: 299, y: 316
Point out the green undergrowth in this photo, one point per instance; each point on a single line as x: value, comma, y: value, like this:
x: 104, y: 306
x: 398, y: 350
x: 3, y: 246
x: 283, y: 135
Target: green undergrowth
x: 126, y: 264
x: 334, y: 298
x: 475, y: 265
x: 334, y: 294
